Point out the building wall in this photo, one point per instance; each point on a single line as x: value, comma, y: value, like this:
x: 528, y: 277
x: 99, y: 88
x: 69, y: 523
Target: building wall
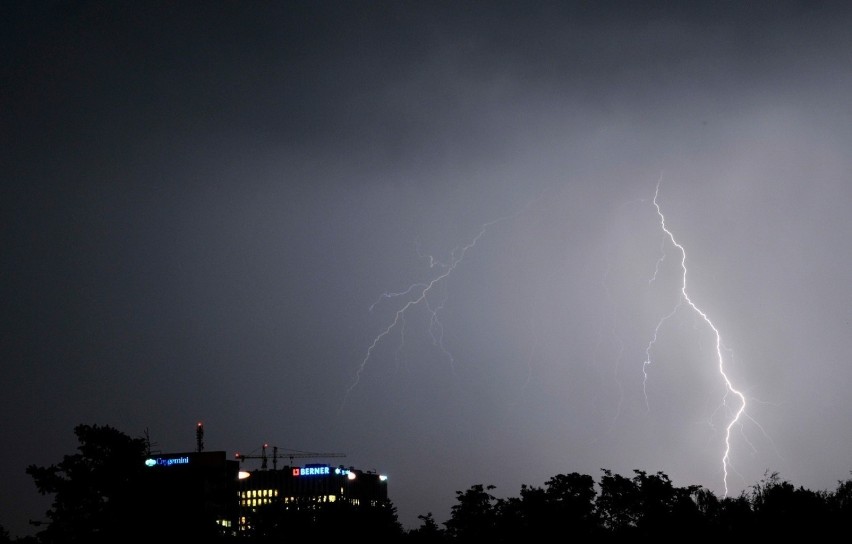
x: 284, y: 492
x: 193, y: 494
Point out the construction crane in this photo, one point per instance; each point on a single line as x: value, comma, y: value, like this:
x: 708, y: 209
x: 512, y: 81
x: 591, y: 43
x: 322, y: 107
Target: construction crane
x: 291, y: 454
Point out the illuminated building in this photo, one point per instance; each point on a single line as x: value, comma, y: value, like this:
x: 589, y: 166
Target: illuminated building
x: 187, y: 495
x: 190, y: 494
x: 305, y: 492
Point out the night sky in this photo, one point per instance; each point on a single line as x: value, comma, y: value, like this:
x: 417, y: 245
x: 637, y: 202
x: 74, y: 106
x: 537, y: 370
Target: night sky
x: 424, y: 235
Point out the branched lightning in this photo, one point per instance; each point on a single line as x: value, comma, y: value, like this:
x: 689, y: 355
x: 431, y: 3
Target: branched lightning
x: 684, y: 298
x: 419, y: 293
x: 399, y: 294
x: 653, y: 341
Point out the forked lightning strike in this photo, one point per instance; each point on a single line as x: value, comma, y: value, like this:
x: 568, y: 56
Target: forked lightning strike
x: 685, y: 298
x: 420, y: 293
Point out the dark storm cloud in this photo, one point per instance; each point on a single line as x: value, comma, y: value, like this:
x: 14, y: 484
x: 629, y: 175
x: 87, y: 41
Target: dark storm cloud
x: 203, y: 200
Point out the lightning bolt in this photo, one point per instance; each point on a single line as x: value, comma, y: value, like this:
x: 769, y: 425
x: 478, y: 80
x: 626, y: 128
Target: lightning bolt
x: 730, y: 390
x: 419, y: 293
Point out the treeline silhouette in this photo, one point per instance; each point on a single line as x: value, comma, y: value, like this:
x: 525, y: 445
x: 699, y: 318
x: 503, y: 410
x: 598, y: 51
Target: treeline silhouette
x: 95, y: 501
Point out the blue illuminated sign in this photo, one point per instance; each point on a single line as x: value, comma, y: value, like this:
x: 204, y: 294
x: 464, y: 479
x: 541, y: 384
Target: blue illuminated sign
x: 166, y: 461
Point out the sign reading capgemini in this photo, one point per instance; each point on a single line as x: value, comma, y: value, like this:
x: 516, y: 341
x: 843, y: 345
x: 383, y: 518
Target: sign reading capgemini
x: 166, y: 461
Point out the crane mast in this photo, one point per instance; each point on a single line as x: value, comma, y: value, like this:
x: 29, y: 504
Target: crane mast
x: 292, y: 454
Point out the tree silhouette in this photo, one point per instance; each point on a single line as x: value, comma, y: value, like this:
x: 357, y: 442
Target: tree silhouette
x: 618, y: 504
x: 429, y: 531
x: 571, y: 501
x: 840, y: 509
x: 100, y: 495
x: 782, y: 510
x: 522, y: 518
x: 474, y: 517
x: 565, y: 506
x: 93, y: 489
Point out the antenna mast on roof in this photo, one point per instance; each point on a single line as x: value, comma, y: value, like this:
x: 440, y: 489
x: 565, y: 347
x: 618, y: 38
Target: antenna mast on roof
x: 199, y: 436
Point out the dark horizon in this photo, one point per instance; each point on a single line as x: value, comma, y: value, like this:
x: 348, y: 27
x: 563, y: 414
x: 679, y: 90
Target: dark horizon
x: 116, y: 487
